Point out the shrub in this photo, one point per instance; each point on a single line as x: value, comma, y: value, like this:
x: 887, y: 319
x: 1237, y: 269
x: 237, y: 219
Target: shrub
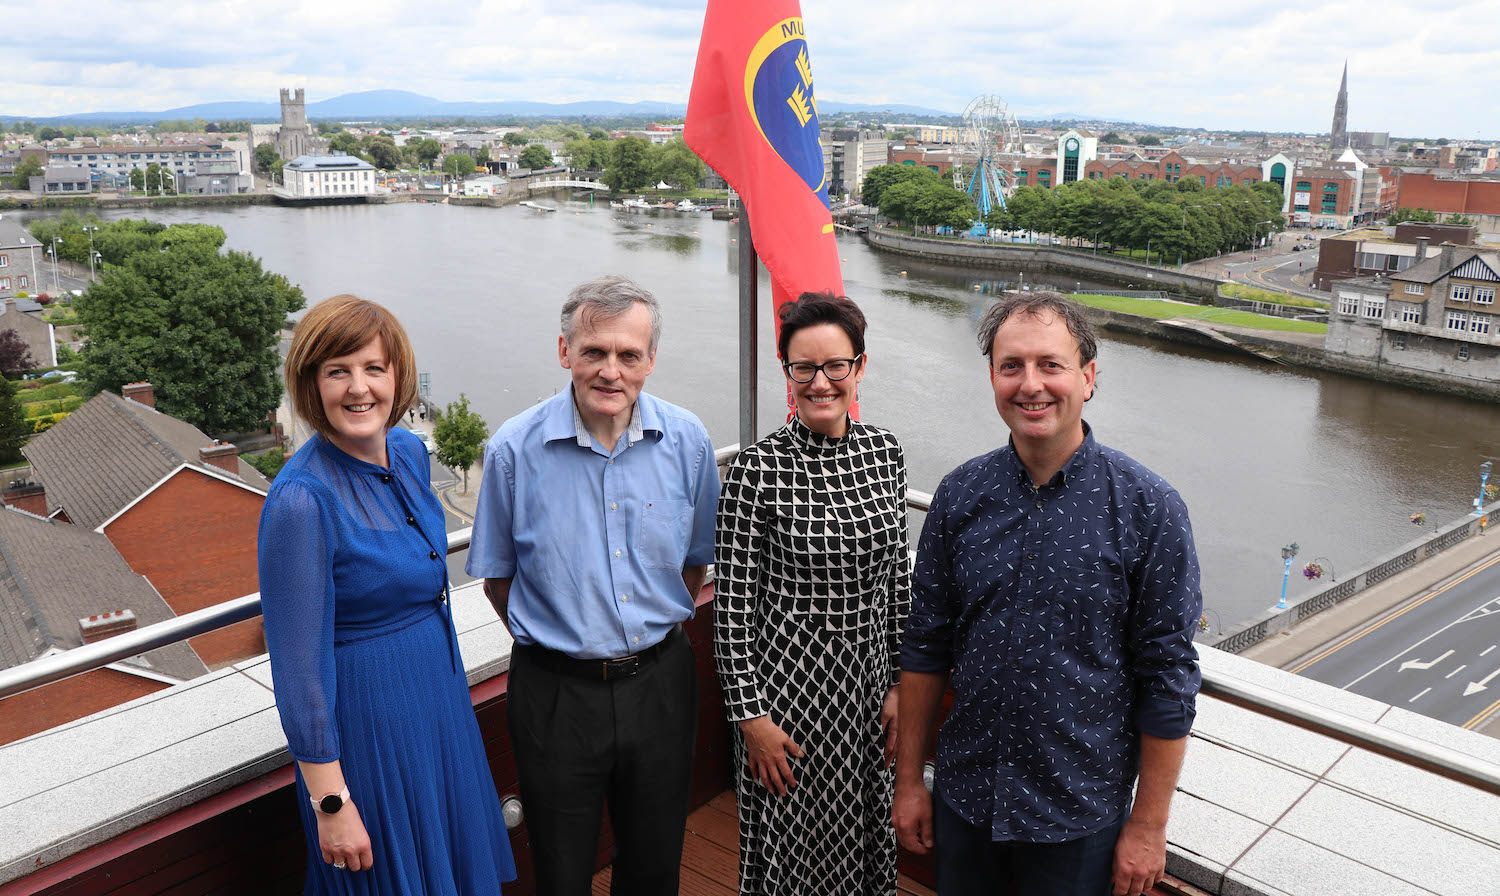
x: 41, y: 424
x: 269, y: 463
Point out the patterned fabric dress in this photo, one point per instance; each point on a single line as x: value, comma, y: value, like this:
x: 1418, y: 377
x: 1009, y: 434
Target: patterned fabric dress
x: 812, y: 586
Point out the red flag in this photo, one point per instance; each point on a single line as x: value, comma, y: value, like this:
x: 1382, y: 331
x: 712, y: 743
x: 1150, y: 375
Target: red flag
x: 753, y: 119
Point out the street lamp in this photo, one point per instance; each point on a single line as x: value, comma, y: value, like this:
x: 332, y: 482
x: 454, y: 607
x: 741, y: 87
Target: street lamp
x: 1256, y: 233
x: 89, y: 229
x: 55, y: 287
x: 1484, y: 478
x: 1287, y: 553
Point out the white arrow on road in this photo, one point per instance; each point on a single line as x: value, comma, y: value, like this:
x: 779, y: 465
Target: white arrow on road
x: 1475, y: 687
x: 1418, y: 664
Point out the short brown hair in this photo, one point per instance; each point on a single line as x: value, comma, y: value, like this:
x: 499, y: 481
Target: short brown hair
x: 336, y: 327
x: 813, y: 308
x: 1035, y: 303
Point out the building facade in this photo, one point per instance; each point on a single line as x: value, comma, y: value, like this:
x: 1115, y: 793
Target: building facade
x: 20, y: 255
x: 110, y: 166
x: 328, y: 176
x: 294, y: 138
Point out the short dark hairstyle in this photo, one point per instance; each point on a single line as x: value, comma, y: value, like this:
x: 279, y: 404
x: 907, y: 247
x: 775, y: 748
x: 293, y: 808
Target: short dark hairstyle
x: 813, y: 308
x: 340, y: 326
x: 1035, y: 303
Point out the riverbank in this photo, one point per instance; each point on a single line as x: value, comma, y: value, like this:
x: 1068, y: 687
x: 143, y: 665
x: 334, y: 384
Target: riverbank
x: 114, y: 201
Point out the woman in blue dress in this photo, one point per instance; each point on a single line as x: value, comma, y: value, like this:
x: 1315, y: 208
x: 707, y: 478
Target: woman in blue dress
x: 395, y: 794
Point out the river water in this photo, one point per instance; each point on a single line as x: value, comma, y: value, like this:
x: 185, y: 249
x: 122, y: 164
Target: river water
x: 1263, y: 455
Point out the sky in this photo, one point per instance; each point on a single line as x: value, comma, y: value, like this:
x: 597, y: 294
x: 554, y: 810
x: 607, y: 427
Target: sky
x: 1416, y: 69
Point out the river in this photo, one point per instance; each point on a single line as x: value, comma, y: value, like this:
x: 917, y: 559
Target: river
x: 1263, y: 455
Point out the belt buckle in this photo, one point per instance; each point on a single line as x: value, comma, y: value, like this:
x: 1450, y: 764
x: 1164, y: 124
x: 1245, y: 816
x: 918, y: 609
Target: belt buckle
x: 624, y: 667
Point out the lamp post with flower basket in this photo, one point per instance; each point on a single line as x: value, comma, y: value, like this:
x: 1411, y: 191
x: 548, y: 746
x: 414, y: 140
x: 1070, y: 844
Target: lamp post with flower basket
x: 1484, y: 482
x: 1317, y: 566
x: 1287, y: 554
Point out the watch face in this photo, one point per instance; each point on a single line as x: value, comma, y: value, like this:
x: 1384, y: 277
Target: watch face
x: 331, y: 803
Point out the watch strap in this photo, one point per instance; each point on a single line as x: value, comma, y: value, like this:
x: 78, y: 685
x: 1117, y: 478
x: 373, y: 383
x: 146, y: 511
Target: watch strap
x: 343, y: 796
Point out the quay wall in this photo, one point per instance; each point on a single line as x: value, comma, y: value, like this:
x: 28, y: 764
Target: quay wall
x: 1042, y: 259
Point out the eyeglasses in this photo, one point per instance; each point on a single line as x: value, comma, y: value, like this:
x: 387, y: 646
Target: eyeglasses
x: 834, y: 370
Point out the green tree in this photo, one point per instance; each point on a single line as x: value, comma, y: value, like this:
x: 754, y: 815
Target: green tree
x: 344, y: 142
x: 426, y: 150
x: 265, y: 156
x: 459, y: 165
x: 269, y: 463
x: 1460, y: 220
x: 15, y: 429
x: 598, y: 134
x: 1405, y: 147
x: 1112, y: 137
x: 1148, y: 140
x: 1419, y: 215
x: 201, y: 326
x: 1442, y: 141
x: 137, y: 179
x: 382, y: 151
x: 587, y: 155
x: 535, y: 156
x: 629, y: 164
x: 514, y: 138
x: 882, y: 177
x: 460, y: 435
x: 679, y: 166
x: 482, y: 157
x: 26, y: 169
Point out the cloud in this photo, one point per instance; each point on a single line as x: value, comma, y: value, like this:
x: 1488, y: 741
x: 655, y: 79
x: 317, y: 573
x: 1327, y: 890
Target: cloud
x: 1418, y: 69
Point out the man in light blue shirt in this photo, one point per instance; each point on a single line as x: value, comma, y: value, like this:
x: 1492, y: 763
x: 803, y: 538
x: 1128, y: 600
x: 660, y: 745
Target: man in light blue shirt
x: 594, y: 531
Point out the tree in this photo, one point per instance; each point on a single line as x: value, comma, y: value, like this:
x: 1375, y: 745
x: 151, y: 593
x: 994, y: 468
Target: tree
x: 1419, y: 215
x: 629, y: 164
x: 201, y: 326
x: 265, y: 156
x: 15, y: 355
x: 598, y: 134
x: 1405, y: 147
x: 679, y: 166
x: 26, y: 169
x: 426, y: 150
x: 344, y: 142
x: 514, y: 138
x: 1442, y: 141
x: 536, y: 156
x: 460, y: 435
x: 1148, y: 140
x: 590, y: 154
x: 137, y: 179
x: 1111, y: 137
x: 1460, y: 220
x: 882, y: 177
x: 459, y: 165
x: 45, y: 134
x: 382, y: 151
x: 15, y: 429
x: 482, y: 157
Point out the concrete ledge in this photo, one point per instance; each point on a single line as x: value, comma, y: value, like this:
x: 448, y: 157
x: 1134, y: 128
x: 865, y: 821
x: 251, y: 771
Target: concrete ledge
x: 80, y: 784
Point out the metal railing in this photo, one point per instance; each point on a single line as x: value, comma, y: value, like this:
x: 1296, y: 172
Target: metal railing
x: 1404, y: 748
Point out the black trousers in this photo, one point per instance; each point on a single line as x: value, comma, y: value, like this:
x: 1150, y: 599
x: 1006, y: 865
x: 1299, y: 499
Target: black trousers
x: 582, y: 744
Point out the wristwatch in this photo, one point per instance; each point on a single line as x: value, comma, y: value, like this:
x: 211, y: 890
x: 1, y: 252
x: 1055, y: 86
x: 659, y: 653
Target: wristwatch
x: 330, y: 803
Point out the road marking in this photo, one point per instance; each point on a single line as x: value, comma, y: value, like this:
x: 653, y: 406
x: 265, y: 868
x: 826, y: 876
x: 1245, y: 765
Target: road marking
x: 1482, y: 684
x: 1414, y: 699
x: 1474, y: 723
x: 1418, y: 664
x: 1406, y: 609
x: 1455, y: 672
x: 1487, y: 650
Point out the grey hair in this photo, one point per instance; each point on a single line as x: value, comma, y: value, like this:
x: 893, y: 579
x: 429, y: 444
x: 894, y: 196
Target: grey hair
x: 1034, y: 303
x: 606, y: 298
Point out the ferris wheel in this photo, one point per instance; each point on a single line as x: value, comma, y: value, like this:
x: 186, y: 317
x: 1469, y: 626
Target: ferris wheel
x: 989, y: 130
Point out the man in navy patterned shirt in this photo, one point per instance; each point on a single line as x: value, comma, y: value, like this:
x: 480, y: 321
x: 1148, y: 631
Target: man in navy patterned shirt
x: 1057, y: 583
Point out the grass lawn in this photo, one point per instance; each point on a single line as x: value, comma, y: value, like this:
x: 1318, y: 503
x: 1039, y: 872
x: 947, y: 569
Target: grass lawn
x: 1251, y: 294
x: 1163, y: 310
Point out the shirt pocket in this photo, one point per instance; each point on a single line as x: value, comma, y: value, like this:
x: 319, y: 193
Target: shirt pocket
x: 1092, y: 604
x: 663, y: 541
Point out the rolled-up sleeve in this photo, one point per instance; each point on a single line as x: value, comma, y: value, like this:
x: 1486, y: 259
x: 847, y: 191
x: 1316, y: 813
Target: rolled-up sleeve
x: 295, y: 554
x: 492, y: 548
x: 1164, y: 614
x: 927, y: 641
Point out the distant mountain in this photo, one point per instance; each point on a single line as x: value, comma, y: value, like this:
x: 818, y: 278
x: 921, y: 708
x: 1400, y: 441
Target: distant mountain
x: 384, y: 104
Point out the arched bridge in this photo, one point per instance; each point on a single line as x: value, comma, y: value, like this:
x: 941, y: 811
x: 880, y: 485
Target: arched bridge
x: 553, y: 183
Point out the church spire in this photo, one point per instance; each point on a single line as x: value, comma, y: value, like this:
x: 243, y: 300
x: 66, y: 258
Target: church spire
x: 1339, y: 134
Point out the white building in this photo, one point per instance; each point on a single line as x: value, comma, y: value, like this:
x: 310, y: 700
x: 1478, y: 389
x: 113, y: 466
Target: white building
x: 486, y: 186
x: 332, y: 176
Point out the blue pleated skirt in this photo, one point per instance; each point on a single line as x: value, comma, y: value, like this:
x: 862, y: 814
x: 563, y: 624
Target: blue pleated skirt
x: 416, y: 770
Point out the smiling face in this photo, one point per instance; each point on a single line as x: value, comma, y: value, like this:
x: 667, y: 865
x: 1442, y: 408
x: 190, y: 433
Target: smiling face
x: 823, y: 404
x: 1040, y: 384
x: 357, y: 390
x: 610, y: 360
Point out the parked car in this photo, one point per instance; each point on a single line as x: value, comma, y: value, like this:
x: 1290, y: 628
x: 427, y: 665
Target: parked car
x: 427, y: 441
x: 1297, y: 247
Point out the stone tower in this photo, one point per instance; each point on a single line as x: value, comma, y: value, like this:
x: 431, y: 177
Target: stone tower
x: 1339, y: 134
x: 295, y: 137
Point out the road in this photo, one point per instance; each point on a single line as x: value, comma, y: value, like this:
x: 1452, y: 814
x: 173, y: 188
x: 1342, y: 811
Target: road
x: 1437, y: 653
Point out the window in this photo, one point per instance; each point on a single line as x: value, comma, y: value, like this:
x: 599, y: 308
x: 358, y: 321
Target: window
x: 1348, y: 304
x: 1398, y: 340
x: 1458, y: 320
x: 4, y: 283
x: 1459, y: 292
x: 1484, y: 295
x: 1480, y: 323
x: 1463, y: 353
x: 4, y: 261
x: 1416, y: 289
x: 1411, y: 314
x: 1249, y: 181
x: 1374, y: 308
x: 22, y: 282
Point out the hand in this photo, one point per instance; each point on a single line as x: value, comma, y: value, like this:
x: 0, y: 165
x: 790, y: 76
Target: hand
x: 343, y: 839
x: 911, y: 813
x: 1140, y: 857
x: 888, y: 713
x: 766, y: 750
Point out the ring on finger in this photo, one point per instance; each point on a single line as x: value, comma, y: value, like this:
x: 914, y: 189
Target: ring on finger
x: 340, y: 865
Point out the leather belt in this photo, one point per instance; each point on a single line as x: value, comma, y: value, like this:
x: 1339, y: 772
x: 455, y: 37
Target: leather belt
x: 600, y: 670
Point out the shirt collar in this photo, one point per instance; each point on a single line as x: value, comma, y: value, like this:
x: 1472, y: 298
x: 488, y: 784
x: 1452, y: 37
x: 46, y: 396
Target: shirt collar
x: 563, y: 421
x: 816, y: 442
x: 1075, y: 466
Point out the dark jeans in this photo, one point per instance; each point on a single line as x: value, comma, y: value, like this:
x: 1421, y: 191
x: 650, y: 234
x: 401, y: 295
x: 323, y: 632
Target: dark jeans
x: 581, y: 744
x: 969, y: 863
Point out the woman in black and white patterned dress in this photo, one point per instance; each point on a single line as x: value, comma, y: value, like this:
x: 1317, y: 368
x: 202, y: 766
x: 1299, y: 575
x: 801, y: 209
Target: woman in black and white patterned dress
x: 812, y: 587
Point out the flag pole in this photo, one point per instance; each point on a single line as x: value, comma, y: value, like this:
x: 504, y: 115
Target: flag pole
x: 749, y: 336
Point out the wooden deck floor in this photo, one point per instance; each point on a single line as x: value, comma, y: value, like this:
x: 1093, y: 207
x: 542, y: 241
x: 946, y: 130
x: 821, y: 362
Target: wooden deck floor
x: 711, y: 855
